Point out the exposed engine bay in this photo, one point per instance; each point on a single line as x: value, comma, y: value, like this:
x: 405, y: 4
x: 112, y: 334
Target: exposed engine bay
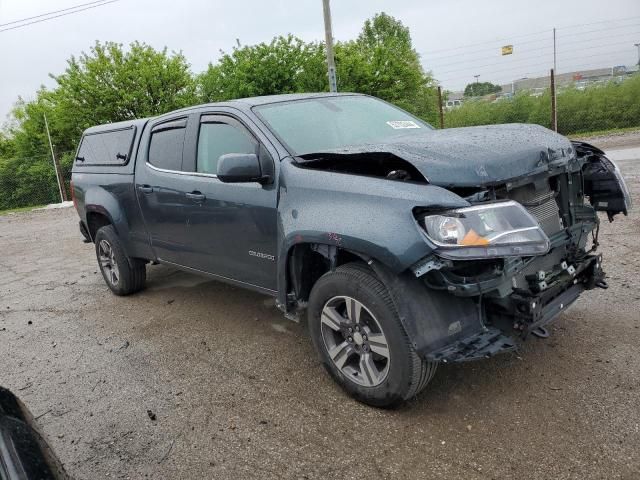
x: 373, y: 164
x: 522, y: 294
x: 515, y: 295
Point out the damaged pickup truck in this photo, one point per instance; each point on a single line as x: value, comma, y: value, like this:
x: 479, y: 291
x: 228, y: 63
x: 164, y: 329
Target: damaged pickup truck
x: 407, y: 246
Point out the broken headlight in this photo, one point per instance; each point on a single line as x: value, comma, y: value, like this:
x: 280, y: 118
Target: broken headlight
x: 485, y: 231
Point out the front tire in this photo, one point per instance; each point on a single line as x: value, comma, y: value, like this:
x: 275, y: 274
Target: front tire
x: 360, y: 339
x: 123, y: 275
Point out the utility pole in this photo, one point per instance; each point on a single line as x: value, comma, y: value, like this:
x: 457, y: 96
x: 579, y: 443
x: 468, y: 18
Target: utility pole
x: 554, y: 111
x: 554, y: 98
x: 637, y: 45
x: 555, y: 67
x: 63, y: 193
x: 475, y: 92
x: 440, y: 111
x: 328, y: 35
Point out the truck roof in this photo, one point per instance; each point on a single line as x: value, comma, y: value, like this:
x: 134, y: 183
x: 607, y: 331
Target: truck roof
x: 139, y: 122
x: 244, y: 103
x: 287, y: 97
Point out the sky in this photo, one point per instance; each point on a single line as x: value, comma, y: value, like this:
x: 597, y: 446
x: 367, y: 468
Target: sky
x: 456, y: 39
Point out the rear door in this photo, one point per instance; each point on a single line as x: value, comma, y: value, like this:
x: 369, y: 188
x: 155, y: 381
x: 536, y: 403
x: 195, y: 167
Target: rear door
x: 161, y: 188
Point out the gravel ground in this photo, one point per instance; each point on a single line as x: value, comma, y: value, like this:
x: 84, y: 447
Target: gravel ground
x: 237, y: 391
x: 614, y: 140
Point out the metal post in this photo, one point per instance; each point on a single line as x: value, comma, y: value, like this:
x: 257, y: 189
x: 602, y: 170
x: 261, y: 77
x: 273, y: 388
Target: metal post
x: 554, y: 113
x: 638, y: 47
x: 475, y: 92
x: 554, y: 99
x: 328, y: 35
x: 555, y: 67
x: 440, y: 107
x: 63, y: 196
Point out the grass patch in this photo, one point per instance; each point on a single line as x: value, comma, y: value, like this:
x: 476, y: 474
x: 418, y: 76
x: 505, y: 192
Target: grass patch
x: 608, y: 108
x: 600, y: 133
x: 19, y: 209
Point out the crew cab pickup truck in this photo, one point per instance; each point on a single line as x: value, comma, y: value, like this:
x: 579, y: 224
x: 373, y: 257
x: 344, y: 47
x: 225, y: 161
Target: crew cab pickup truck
x: 406, y: 246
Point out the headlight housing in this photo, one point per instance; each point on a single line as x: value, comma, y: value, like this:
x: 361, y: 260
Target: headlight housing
x: 622, y: 185
x: 486, y: 231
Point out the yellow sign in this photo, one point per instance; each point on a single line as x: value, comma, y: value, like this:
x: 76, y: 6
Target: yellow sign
x: 507, y: 50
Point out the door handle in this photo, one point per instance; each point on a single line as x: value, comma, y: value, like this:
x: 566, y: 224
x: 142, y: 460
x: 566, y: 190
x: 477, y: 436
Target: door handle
x: 145, y: 188
x: 196, y: 196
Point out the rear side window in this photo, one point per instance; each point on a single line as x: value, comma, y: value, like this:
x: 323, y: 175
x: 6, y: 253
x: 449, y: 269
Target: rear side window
x: 167, y: 142
x: 217, y: 139
x: 106, y: 148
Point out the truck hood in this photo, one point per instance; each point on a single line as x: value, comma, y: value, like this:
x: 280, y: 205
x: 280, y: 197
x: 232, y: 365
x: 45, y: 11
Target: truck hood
x: 476, y: 156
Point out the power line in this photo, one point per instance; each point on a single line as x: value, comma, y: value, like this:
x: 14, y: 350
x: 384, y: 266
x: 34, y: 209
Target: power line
x: 596, y: 23
x: 526, y: 67
x: 608, y: 29
x: 545, y: 39
x: 531, y: 75
x: 548, y: 31
x: 50, y: 13
x: 560, y: 52
x: 484, y: 43
x: 470, y: 62
x: 58, y: 16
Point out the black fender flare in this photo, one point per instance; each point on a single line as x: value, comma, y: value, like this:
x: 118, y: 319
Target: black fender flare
x: 432, y: 319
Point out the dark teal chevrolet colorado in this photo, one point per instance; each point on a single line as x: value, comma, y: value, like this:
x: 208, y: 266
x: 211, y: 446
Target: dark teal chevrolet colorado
x: 406, y: 246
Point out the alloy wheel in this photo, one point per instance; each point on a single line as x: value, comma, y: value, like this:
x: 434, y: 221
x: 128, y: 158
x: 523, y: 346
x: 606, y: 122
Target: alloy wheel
x: 108, y: 263
x: 355, y: 341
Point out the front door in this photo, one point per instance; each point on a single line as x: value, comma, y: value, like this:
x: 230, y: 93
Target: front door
x: 232, y: 227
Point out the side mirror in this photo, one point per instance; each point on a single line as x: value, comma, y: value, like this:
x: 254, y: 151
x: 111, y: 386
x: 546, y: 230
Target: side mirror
x: 240, y: 168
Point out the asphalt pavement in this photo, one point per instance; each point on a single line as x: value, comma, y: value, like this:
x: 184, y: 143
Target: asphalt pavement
x: 196, y: 379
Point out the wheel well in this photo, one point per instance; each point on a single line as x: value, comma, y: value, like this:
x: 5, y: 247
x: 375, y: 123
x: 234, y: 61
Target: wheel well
x: 308, y: 262
x: 95, y: 221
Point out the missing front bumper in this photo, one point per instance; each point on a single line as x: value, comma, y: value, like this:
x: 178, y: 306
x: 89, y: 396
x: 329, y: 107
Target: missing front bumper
x: 530, y: 313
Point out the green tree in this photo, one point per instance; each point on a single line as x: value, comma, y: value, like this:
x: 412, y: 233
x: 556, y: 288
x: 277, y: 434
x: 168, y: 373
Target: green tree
x: 106, y: 85
x: 110, y: 84
x: 382, y: 62
x: 478, y: 89
x: 7, y: 146
x: 285, y: 65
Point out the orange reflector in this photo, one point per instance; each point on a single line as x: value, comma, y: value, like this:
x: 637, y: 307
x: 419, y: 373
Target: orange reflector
x: 472, y: 238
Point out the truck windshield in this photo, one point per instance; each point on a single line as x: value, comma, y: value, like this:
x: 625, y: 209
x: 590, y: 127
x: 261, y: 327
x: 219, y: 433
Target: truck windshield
x: 328, y: 123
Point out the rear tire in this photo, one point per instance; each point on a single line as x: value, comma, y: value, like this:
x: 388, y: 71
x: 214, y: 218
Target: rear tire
x: 360, y: 339
x: 123, y: 275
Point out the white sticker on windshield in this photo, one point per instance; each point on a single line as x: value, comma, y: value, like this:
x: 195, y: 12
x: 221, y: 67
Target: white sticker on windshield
x: 397, y: 124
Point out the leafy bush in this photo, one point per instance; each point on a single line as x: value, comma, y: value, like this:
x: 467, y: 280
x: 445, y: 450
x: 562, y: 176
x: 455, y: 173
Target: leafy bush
x: 599, y: 107
x: 109, y: 84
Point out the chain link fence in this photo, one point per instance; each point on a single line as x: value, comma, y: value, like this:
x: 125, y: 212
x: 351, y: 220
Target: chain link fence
x: 32, y: 182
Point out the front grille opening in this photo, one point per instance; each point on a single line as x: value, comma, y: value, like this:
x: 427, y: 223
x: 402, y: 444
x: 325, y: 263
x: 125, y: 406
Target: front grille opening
x: 540, y: 201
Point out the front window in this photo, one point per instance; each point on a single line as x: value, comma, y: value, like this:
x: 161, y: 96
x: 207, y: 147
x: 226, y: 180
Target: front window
x: 217, y: 139
x: 327, y: 123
